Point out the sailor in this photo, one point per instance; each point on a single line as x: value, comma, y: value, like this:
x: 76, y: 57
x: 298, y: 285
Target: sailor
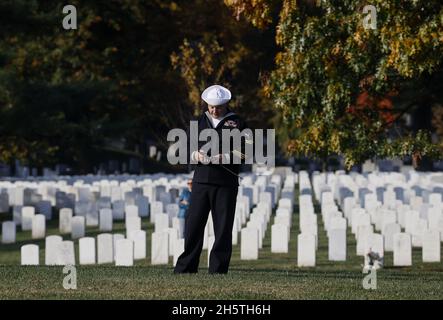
x: 214, y: 188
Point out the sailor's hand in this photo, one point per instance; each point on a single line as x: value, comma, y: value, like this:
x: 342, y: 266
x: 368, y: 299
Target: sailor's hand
x: 203, y: 158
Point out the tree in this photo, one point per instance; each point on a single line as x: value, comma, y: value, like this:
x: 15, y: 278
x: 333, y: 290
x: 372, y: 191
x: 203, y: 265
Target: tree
x: 217, y: 49
x: 343, y: 89
x: 65, y: 93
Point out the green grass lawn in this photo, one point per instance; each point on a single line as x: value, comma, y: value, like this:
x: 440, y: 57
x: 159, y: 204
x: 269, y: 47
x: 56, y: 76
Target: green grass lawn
x: 272, y: 276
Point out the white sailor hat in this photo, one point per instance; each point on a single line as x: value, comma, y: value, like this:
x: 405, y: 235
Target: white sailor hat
x: 216, y: 95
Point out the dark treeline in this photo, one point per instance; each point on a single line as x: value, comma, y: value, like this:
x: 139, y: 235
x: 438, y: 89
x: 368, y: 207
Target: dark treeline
x: 132, y: 71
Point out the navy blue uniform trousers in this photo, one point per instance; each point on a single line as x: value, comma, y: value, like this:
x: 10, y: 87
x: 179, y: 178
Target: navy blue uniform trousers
x: 221, y: 201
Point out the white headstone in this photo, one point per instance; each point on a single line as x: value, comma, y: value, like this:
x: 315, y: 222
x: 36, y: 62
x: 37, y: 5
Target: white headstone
x: 115, y: 238
x: 259, y: 226
x: 306, y: 250
x: 388, y: 233
x: 105, y: 248
x: 8, y: 232
x: 38, y: 226
x: 159, y: 248
x: 417, y: 232
x: 374, y: 244
x: 116, y: 194
x: 440, y: 228
x: 337, y: 223
x: 105, y: 220
x: 161, y: 222
x: 279, y: 219
x: 133, y: 224
x: 279, y: 238
x: 172, y: 211
x: 434, y: 215
x: 358, y: 219
x: 87, y: 250
x: 211, y: 241
x: 156, y: 208
x: 431, y: 246
x: 30, y: 255
x: 402, y: 249
x: 92, y: 218
x: 234, y: 236
x: 249, y: 243
x: 66, y: 253
x: 179, y: 248
x: 411, y: 220
x: 389, y: 198
x: 388, y: 217
x: 124, y: 253
x: 65, y: 220
x: 131, y: 210
x: 139, y: 238
x: 77, y: 227
x: 172, y: 238
x: 363, y: 235
x: 285, y: 203
x: 27, y: 215
x: 337, y: 245
x: 52, y: 245
x: 401, y: 214
x: 118, y: 210
x: 179, y: 224
x: 435, y: 199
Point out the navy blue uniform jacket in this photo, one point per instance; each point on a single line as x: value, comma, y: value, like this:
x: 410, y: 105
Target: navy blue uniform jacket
x: 219, y: 174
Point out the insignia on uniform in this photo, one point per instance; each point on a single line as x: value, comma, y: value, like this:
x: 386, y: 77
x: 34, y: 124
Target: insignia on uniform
x: 231, y: 123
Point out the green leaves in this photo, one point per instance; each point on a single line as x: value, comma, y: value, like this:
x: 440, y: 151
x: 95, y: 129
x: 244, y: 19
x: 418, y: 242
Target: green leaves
x: 342, y: 84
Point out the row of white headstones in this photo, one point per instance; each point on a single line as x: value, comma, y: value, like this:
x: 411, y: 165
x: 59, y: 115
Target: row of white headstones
x: 62, y: 252
x: 166, y: 241
x: 76, y: 225
x: 422, y: 226
x: 281, y: 199
x: 360, y: 220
